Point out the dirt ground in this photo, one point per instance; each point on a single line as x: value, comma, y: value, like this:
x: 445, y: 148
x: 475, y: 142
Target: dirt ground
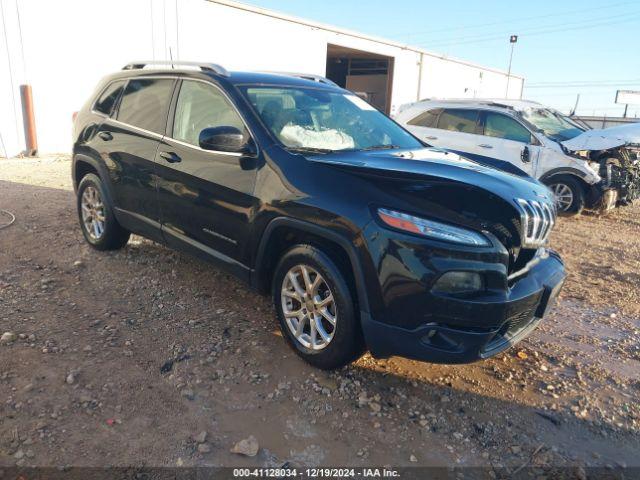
x: 126, y: 358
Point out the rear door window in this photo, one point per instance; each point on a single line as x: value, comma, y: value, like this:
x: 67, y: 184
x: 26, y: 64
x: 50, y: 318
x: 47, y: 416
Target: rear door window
x: 109, y: 97
x: 458, y: 120
x: 501, y: 126
x: 145, y: 103
x: 427, y: 119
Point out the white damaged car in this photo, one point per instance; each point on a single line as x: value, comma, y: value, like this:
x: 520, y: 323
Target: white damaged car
x: 592, y: 169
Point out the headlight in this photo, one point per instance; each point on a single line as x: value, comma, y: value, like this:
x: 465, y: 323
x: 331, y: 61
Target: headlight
x: 595, y: 166
x: 432, y: 229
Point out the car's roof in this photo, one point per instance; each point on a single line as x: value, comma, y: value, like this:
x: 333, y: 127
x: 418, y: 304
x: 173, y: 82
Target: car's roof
x: 236, y: 78
x: 480, y: 102
x: 275, y: 78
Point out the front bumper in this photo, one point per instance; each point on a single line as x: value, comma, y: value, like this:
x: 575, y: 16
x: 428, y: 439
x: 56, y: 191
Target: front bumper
x: 465, y: 330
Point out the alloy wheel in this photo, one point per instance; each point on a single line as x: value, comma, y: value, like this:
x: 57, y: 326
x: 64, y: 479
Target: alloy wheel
x: 563, y: 195
x: 309, y: 307
x: 93, y: 212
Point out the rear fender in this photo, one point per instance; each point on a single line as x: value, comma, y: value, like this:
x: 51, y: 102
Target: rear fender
x: 99, y: 167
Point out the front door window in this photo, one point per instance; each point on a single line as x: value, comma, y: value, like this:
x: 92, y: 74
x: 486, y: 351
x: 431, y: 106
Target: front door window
x: 201, y: 106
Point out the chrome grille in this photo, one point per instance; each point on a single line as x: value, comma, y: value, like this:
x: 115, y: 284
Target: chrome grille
x: 537, y: 219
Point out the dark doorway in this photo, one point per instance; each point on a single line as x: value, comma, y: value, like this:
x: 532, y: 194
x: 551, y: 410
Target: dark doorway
x: 367, y: 74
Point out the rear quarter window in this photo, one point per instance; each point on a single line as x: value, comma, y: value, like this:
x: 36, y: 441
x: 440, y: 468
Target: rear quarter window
x: 108, y: 98
x: 145, y: 102
x: 427, y: 119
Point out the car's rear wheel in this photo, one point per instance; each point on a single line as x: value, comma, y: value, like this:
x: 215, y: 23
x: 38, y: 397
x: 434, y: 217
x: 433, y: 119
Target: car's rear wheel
x: 97, y: 221
x: 569, y: 195
x: 315, y: 308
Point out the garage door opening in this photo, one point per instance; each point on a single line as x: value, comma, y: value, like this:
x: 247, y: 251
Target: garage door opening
x: 367, y: 74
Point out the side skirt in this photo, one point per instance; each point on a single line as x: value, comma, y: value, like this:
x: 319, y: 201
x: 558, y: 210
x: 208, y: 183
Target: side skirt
x: 153, y: 230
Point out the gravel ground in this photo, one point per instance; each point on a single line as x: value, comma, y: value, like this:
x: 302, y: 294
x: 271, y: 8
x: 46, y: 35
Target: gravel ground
x: 147, y: 357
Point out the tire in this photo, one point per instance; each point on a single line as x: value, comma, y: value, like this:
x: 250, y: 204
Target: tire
x: 571, y: 191
x: 111, y: 236
x: 346, y: 343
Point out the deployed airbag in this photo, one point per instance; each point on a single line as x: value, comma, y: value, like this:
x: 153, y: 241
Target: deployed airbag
x: 298, y: 136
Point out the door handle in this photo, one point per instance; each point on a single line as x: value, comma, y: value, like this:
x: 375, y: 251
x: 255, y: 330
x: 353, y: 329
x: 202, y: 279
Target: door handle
x: 106, y: 136
x: 485, y: 145
x: 431, y: 137
x: 170, y: 157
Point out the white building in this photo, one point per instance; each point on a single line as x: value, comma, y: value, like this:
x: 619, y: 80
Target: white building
x: 62, y: 48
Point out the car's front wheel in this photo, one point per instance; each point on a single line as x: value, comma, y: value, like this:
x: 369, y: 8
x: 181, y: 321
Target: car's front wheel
x: 97, y: 221
x: 315, y: 308
x: 569, y: 195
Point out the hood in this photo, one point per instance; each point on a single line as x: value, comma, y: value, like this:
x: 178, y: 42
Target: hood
x: 448, y: 187
x: 434, y: 164
x: 605, y: 138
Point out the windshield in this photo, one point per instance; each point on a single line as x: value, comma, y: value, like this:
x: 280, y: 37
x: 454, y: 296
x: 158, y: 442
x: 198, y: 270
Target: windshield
x: 552, y: 124
x: 314, y: 119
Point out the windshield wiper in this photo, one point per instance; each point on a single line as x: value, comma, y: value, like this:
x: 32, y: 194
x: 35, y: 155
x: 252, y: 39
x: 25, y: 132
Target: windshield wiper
x: 310, y: 150
x: 380, y: 147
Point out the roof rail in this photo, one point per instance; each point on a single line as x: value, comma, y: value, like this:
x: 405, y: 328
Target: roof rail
x: 306, y: 76
x: 468, y: 101
x: 209, y: 67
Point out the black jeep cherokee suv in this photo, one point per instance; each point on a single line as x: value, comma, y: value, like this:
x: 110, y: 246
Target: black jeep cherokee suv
x: 364, y: 237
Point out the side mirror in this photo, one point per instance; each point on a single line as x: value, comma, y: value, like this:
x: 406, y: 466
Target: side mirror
x: 224, y: 139
x: 525, y: 156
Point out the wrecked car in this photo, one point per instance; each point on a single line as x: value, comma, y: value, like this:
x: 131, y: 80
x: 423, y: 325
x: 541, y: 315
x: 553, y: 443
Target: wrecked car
x: 364, y: 238
x: 585, y: 169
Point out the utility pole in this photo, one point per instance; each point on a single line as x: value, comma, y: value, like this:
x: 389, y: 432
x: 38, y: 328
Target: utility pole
x: 512, y: 40
x: 575, y: 107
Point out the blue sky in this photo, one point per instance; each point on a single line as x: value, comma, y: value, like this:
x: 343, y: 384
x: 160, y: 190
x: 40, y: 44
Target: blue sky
x: 586, y: 47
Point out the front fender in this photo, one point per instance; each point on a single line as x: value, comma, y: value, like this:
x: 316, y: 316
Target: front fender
x: 585, y: 175
x: 354, y: 257
x: 556, y: 162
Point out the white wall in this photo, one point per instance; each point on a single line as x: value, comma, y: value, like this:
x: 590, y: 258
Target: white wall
x: 70, y: 44
x: 213, y: 35
x: 442, y: 79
